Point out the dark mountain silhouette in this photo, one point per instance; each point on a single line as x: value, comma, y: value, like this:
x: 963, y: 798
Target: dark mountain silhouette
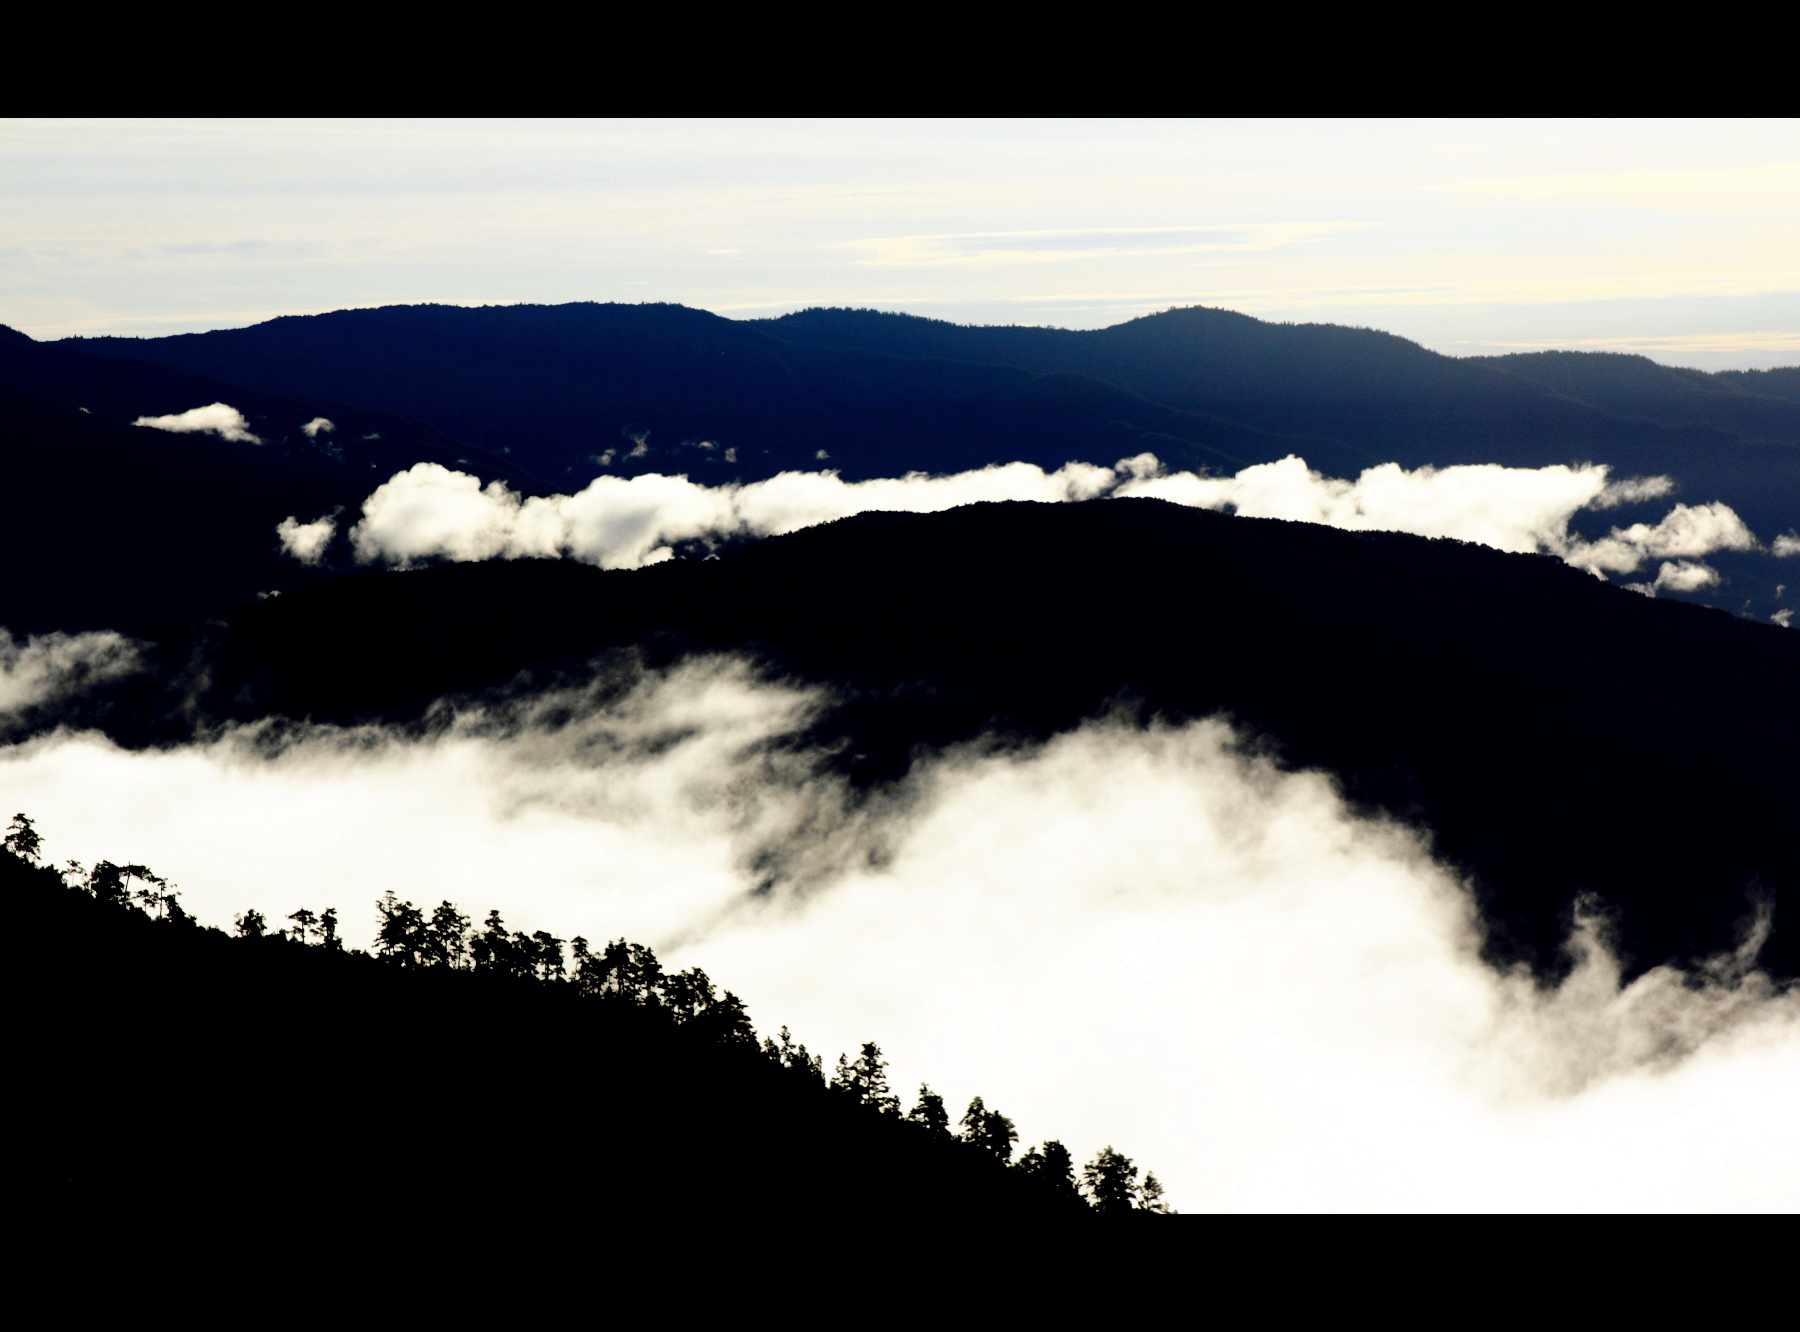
x: 167, y: 1067
x: 1394, y: 399
x: 111, y: 525
x: 563, y: 387
x: 1637, y: 386
x: 365, y: 446
x: 573, y: 391
x: 1557, y: 736
x: 1783, y: 382
x: 108, y: 527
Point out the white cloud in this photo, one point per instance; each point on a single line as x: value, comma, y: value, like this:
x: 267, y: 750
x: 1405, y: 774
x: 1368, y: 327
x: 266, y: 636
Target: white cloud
x: 1679, y: 576
x: 1685, y: 530
x: 1511, y: 508
x: 1148, y: 937
x: 306, y: 542
x: 431, y: 512
x: 216, y: 418
x: 1788, y: 543
x: 42, y: 670
x: 618, y: 523
x: 317, y: 426
x: 1686, y: 576
x: 1784, y: 617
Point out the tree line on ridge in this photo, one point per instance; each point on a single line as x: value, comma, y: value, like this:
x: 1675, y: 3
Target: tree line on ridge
x: 407, y: 937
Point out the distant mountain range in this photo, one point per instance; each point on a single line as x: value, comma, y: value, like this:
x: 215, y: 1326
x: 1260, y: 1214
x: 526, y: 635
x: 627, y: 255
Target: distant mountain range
x: 556, y: 388
x: 148, y: 527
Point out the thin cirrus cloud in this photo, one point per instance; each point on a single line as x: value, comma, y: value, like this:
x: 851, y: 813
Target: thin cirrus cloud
x: 216, y: 418
x: 1478, y: 233
x: 1704, y: 191
x: 1144, y: 936
x: 1062, y: 246
x: 431, y: 512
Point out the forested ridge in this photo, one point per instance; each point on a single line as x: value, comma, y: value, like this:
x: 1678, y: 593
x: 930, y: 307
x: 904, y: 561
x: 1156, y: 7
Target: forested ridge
x: 167, y: 1065
x: 1539, y: 723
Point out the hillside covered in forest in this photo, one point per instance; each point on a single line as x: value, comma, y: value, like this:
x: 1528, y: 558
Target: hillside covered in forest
x: 170, y: 1067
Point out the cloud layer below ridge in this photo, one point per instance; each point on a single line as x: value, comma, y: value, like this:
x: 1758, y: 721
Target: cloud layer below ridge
x: 1145, y: 936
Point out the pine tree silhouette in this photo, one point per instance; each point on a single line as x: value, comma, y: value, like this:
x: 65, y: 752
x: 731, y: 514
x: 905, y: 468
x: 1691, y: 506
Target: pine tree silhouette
x: 930, y: 1111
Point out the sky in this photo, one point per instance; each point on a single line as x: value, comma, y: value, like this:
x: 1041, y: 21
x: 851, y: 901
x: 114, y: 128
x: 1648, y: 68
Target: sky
x: 1679, y: 240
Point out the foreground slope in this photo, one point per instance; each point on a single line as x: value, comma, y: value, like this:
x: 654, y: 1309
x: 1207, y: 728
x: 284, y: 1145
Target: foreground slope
x: 167, y: 1067
x: 1556, y: 736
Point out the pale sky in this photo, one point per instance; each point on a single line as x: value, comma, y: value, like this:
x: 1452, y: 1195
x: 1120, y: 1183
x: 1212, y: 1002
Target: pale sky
x: 1679, y: 240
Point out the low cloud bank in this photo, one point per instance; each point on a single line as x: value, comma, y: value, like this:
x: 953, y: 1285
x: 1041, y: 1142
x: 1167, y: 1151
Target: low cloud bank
x: 44, y: 670
x: 1143, y: 936
x: 216, y: 418
x: 431, y: 512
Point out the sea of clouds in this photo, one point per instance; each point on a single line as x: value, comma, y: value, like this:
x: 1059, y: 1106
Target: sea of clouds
x: 1144, y: 937
x: 430, y: 512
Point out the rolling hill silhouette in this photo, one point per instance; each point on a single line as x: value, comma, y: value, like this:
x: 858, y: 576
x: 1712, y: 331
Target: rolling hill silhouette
x: 1721, y: 436
x: 1555, y: 735
x: 560, y: 388
x: 111, y: 525
x: 573, y: 391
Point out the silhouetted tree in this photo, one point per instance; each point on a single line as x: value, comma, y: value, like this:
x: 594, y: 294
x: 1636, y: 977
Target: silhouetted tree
x: 1053, y: 1164
x: 726, y: 1021
x: 793, y: 1056
x: 306, y: 925
x: 446, y: 937
x: 621, y: 970
x: 399, y: 931
x: 150, y: 890
x: 328, y: 931
x: 989, y: 1130
x: 688, y: 993
x: 1150, y: 1197
x: 864, y: 1080
x: 1110, y: 1181
x: 251, y: 924
x: 493, y: 949
x: 22, y: 839
x: 546, y: 953
x: 107, y: 884
x: 930, y: 1111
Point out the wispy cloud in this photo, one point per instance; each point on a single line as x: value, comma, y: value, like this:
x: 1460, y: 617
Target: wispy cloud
x: 1769, y: 340
x: 216, y: 418
x: 985, y: 248
x: 43, y: 671
x: 1732, y: 189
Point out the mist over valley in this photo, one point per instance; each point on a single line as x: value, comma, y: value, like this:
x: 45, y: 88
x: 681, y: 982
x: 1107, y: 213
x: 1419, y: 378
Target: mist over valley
x: 1337, y: 774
